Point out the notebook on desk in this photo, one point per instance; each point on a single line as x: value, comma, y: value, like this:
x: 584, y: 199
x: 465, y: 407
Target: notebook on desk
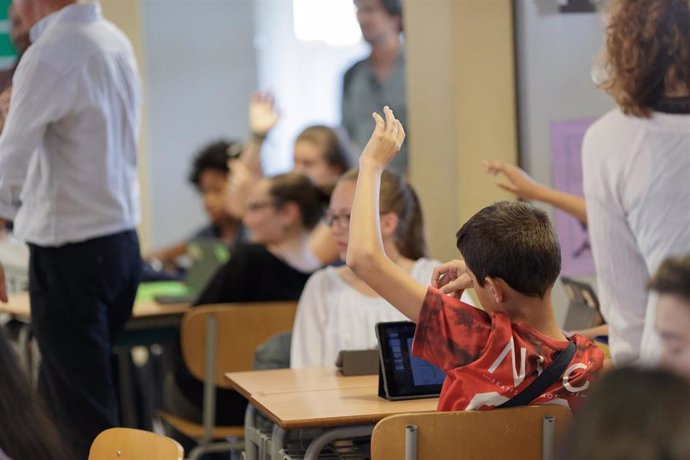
x: 403, y: 376
x: 207, y: 256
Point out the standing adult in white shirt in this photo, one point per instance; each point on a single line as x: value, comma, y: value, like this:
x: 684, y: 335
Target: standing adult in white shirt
x: 68, y: 179
x: 636, y: 167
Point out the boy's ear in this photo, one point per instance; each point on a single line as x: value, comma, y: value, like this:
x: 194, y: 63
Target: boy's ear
x: 389, y: 223
x: 496, y: 287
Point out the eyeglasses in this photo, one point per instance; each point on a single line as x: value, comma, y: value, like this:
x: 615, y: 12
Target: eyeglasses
x: 256, y: 205
x: 331, y: 218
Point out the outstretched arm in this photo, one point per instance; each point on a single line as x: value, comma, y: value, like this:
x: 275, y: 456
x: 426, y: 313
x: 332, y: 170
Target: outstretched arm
x: 517, y: 181
x: 365, y: 253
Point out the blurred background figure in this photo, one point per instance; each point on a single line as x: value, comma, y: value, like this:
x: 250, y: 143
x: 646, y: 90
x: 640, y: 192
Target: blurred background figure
x: 379, y: 79
x: 632, y: 414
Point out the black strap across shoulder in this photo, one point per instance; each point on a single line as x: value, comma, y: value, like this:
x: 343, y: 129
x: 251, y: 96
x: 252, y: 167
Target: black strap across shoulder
x: 548, y: 377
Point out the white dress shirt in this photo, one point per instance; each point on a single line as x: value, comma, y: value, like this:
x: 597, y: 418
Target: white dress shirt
x: 637, y: 188
x: 68, y: 163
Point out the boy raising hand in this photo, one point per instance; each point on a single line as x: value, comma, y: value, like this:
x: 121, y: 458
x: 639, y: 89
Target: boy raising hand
x: 511, y: 259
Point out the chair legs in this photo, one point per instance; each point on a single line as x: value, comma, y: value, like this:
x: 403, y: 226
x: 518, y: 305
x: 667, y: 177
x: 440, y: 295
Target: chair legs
x: 202, y: 449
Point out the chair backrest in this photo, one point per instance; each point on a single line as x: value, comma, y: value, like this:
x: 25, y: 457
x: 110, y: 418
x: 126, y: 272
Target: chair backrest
x: 241, y: 328
x: 131, y: 444
x: 493, y: 434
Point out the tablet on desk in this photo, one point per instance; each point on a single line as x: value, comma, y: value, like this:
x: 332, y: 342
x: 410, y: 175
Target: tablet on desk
x: 402, y: 375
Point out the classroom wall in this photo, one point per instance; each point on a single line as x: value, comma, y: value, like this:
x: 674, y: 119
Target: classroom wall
x: 127, y: 16
x: 201, y: 63
x: 485, y: 79
x: 461, y: 103
x: 555, y: 56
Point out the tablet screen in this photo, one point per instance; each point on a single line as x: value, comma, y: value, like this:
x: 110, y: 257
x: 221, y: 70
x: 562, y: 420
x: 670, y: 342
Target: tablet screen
x: 405, y: 375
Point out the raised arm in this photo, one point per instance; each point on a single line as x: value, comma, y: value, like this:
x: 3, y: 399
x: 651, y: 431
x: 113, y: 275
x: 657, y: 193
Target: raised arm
x: 263, y: 116
x: 365, y: 253
x: 517, y: 181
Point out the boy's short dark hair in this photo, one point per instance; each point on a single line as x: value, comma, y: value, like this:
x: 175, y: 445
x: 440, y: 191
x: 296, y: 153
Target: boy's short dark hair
x: 673, y: 277
x: 513, y: 241
x: 392, y: 7
x: 213, y: 156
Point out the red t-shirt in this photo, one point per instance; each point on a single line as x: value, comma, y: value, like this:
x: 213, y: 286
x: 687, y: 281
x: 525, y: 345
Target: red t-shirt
x: 488, y: 359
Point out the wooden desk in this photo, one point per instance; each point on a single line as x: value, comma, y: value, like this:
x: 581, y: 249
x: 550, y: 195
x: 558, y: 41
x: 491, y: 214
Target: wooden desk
x: 20, y: 308
x: 306, y: 398
x: 150, y: 323
x: 280, y: 381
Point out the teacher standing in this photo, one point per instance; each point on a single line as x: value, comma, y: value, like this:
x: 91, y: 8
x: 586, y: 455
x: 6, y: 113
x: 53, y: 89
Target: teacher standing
x: 68, y: 179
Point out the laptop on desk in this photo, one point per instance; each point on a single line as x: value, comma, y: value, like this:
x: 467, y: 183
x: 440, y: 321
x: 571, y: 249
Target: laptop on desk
x: 207, y: 256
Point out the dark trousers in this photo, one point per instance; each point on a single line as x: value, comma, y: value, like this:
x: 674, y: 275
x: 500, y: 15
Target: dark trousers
x: 81, y: 296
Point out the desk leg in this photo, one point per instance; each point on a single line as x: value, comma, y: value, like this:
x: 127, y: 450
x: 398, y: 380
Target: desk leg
x: 24, y: 344
x: 128, y: 416
x: 252, y: 436
x: 329, y: 436
x: 277, y: 442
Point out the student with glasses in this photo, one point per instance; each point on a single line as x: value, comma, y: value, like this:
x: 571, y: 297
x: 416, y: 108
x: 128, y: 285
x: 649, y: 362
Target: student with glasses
x: 338, y: 311
x: 280, y: 214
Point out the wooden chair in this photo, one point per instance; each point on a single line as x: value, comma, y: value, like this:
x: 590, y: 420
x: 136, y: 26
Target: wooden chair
x: 529, y: 432
x: 222, y: 338
x: 131, y: 444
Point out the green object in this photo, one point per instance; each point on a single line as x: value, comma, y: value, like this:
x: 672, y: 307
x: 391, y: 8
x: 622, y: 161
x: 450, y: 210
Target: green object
x: 149, y: 290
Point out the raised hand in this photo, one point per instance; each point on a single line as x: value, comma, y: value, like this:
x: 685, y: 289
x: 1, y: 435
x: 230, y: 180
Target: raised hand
x: 451, y: 278
x: 385, y: 141
x: 263, y: 115
x: 513, y: 179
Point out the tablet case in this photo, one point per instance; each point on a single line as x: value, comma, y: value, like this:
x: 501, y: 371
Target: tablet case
x: 358, y: 362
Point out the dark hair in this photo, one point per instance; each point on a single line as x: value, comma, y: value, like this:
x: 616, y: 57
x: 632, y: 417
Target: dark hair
x: 299, y: 189
x: 673, y: 277
x: 392, y: 7
x: 398, y: 197
x: 632, y: 414
x: 214, y: 157
x: 647, y: 47
x: 26, y: 432
x: 334, y: 148
x: 513, y: 241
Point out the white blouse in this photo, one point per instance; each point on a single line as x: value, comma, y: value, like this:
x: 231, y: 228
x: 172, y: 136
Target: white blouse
x: 637, y: 188
x: 333, y: 316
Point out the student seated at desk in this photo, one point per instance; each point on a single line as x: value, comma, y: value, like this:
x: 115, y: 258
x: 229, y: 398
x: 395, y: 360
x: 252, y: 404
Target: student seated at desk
x: 338, y: 311
x: 280, y: 214
x: 672, y: 283
x: 319, y: 153
x: 512, y: 259
x: 210, y: 176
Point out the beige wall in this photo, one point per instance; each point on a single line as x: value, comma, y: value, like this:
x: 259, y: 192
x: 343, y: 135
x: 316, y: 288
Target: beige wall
x: 462, y: 108
x: 126, y: 14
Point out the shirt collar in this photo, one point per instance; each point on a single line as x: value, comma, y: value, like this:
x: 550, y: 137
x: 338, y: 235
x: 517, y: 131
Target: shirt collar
x: 78, y: 12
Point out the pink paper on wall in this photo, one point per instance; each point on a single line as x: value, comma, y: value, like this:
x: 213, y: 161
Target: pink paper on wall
x: 566, y: 174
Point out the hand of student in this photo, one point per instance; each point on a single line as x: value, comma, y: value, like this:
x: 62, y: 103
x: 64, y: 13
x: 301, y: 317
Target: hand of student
x: 263, y: 115
x: 240, y: 182
x: 385, y: 141
x: 513, y: 179
x: 3, y: 290
x: 451, y: 278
